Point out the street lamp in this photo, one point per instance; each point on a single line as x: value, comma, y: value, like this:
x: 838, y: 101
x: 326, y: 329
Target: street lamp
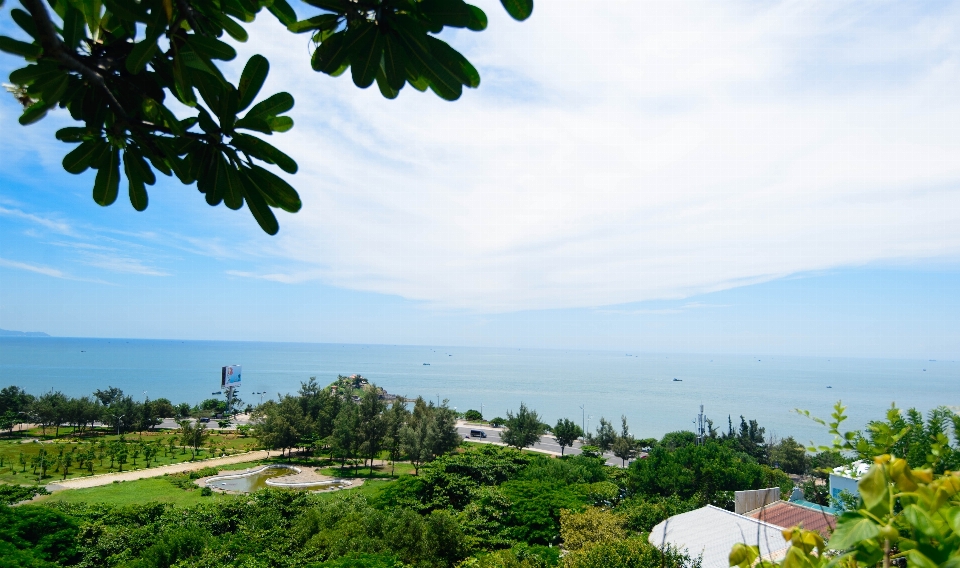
x: 583, y: 422
x: 119, y: 421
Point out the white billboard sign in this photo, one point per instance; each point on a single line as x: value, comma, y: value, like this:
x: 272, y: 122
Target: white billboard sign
x: 230, y: 376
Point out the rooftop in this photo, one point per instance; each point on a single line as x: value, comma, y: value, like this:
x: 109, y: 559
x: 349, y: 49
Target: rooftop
x: 712, y: 532
x: 788, y: 515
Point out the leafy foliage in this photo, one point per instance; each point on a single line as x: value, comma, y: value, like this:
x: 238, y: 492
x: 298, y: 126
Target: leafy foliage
x: 122, y: 69
x: 522, y: 429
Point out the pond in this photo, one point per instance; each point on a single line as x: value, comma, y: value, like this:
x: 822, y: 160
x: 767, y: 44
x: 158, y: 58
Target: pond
x: 272, y: 476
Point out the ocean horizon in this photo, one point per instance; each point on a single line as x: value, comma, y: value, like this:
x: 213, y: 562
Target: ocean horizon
x: 555, y: 383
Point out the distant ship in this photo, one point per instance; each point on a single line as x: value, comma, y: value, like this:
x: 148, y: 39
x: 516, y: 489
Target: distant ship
x: 676, y: 380
x: 829, y: 387
x: 426, y: 363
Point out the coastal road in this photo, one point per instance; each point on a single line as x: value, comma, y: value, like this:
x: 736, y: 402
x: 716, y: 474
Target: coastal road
x: 547, y: 444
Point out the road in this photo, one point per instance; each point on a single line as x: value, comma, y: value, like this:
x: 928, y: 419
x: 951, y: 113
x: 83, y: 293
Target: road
x: 547, y: 444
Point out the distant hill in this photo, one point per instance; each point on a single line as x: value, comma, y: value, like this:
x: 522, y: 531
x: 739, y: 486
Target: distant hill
x: 9, y: 333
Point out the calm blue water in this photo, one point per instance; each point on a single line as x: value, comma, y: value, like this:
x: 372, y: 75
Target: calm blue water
x: 555, y: 383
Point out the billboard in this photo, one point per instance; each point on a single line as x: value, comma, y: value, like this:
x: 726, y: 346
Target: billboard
x: 230, y: 376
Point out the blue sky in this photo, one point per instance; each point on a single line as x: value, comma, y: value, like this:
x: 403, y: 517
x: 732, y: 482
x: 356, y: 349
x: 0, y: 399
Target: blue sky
x: 774, y: 177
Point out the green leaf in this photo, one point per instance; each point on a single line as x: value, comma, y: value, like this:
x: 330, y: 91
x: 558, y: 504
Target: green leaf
x: 133, y: 159
x: 74, y: 28
x: 331, y: 54
x: 265, y: 151
x: 33, y: 73
x: 394, y: 63
x: 230, y: 25
x: 141, y: 54
x: 126, y: 10
x: 454, y: 62
x: 272, y: 106
x: 919, y: 560
x: 107, y: 184
x: 478, y: 21
x: 365, y: 55
x: 852, y: 529
x: 80, y: 158
x: 321, y: 22
x: 251, y: 80
x: 25, y: 22
x: 211, y: 48
x: 453, y: 13
x: 72, y: 134
x: 20, y: 48
x: 873, y: 487
x: 232, y: 188
x: 208, y: 181
x: 280, y: 123
x: 255, y: 123
x: 258, y: 205
x: 921, y: 521
x: 136, y: 189
x: 283, y: 12
x: 341, y: 6
x: 518, y: 9
x: 34, y: 112
x: 278, y: 190
x: 385, y: 89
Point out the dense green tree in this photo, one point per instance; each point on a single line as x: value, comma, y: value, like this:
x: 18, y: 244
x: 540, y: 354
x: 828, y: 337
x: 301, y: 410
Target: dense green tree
x: 625, y: 445
x: 14, y: 399
x: 281, y: 425
x: 473, y: 415
x: 45, y: 534
x: 372, y: 427
x: 395, y: 418
x: 605, y: 436
x: 125, y: 70
x: 523, y: 429
x: 789, y: 455
x: 709, y: 472
x: 50, y: 409
x: 566, y: 432
x: 344, y: 440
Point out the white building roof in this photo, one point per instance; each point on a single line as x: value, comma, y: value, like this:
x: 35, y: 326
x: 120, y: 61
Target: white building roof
x: 856, y: 470
x: 711, y: 532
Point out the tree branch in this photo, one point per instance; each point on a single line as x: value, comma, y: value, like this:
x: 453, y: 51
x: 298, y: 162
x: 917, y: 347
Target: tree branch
x: 189, y: 15
x: 55, y: 49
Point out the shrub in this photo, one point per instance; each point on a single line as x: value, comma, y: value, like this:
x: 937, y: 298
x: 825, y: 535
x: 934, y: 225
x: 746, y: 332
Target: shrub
x: 206, y: 491
x: 473, y: 415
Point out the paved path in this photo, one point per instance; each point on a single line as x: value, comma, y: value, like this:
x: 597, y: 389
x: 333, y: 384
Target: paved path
x: 108, y: 478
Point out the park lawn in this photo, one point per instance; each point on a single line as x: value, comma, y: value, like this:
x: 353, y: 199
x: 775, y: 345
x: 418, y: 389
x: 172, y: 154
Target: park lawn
x: 154, y: 489
x: 402, y: 468
x: 11, y: 471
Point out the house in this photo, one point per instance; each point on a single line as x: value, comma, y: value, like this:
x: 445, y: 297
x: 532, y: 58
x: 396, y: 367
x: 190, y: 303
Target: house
x: 845, y: 478
x: 711, y: 532
x: 789, y: 514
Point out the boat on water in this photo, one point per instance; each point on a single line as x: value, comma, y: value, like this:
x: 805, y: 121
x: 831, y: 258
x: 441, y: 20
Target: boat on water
x: 426, y: 363
x: 676, y: 380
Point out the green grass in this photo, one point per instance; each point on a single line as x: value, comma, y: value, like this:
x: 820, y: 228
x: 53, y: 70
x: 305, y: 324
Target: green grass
x: 402, y: 468
x: 130, y: 492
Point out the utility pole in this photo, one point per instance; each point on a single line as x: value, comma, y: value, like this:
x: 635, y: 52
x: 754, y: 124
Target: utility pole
x: 701, y: 434
x: 583, y: 420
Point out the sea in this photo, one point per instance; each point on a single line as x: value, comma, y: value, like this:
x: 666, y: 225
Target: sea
x: 656, y: 392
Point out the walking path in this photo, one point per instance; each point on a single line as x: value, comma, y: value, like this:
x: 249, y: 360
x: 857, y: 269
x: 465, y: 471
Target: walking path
x: 108, y: 478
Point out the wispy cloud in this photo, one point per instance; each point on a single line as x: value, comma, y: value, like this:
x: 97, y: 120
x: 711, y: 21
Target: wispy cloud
x: 724, y: 144
x: 51, y: 224
x: 48, y: 271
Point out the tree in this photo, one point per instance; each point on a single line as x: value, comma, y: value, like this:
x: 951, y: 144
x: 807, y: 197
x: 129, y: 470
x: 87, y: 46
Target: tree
x: 624, y: 446
x: 566, y: 432
x: 473, y: 415
x: 344, y: 437
x: 372, y: 425
x: 281, y: 425
x: 789, y: 455
x: 605, y: 435
x: 396, y: 417
x: 523, y: 429
x: 116, y: 66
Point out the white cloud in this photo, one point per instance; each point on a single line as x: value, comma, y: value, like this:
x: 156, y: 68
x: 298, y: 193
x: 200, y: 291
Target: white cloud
x: 51, y: 224
x: 635, y: 152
